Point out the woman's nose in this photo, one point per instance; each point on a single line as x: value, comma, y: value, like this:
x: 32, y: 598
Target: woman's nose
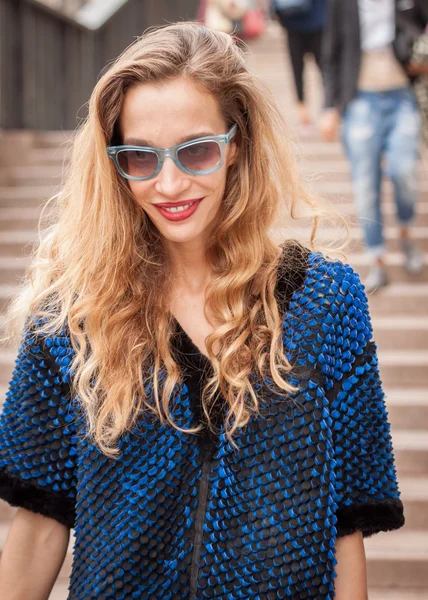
x: 171, y: 180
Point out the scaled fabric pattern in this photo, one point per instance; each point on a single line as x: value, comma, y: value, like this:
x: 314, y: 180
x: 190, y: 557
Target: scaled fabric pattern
x: 181, y: 516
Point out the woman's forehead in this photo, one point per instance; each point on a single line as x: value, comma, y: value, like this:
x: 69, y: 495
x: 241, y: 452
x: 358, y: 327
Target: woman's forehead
x: 167, y: 113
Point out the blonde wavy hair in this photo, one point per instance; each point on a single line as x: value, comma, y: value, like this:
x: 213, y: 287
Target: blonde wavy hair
x: 101, y: 270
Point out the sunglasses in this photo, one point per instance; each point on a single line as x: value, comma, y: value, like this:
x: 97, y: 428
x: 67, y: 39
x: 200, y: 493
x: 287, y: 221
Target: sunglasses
x: 196, y: 157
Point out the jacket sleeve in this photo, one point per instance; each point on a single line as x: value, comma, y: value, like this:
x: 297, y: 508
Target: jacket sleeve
x: 365, y: 479
x: 411, y: 20
x: 412, y: 15
x: 331, y: 55
x: 37, y: 446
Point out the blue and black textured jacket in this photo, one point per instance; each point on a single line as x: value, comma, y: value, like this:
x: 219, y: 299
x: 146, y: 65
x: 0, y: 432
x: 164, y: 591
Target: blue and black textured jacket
x: 181, y: 516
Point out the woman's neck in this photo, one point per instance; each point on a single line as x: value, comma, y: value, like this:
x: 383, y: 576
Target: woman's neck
x: 190, y: 268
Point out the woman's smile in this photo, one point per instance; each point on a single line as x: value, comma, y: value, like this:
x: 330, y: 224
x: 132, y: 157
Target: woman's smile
x: 178, y: 211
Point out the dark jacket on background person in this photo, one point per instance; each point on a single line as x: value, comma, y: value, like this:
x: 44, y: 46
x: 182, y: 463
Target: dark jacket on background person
x: 313, y: 20
x: 341, y: 52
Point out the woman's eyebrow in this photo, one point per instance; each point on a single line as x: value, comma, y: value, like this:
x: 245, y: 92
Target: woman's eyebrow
x: 187, y: 138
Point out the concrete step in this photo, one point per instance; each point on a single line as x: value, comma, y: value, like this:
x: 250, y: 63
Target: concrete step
x: 321, y: 169
x: 31, y: 175
x: 400, y: 299
x: 345, y: 189
x: 404, y: 368
x: 346, y: 205
x: 389, y: 594
x: 23, y: 218
x: 12, y: 269
x: 414, y: 495
x: 399, y: 332
x: 18, y: 243
x: 411, y: 452
x: 394, y: 262
x: 7, y: 363
x: 7, y: 292
x: 52, y: 139
x: 398, y: 559
x: 27, y: 196
x: 55, y: 157
x: 407, y: 408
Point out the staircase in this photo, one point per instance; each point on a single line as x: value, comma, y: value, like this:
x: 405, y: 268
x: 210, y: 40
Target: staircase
x: 397, y: 561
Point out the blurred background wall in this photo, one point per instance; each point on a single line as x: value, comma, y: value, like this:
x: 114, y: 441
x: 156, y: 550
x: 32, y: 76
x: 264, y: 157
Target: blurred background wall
x: 52, y: 52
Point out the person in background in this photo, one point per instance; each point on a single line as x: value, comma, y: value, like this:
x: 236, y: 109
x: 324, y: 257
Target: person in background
x: 304, y: 31
x: 368, y: 82
x: 413, y: 22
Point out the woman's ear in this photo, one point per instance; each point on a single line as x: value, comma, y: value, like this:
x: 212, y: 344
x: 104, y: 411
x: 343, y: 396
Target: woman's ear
x: 233, y: 154
x: 233, y: 150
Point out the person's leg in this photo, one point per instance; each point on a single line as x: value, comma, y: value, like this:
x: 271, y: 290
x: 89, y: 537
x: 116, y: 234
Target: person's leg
x: 315, y: 45
x: 362, y: 136
x: 296, y: 47
x: 402, y: 153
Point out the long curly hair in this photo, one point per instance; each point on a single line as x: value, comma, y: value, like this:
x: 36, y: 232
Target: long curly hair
x: 101, y: 271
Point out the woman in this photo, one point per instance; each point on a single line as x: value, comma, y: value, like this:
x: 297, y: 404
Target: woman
x: 304, y: 31
x: 367, y: 82
x: 200, y: 404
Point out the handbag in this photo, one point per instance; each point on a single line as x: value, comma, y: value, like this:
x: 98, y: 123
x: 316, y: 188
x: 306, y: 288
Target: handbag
x: 292, y: 8
x: 253, y: 23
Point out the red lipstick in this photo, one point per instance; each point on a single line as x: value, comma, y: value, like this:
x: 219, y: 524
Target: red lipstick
x: 180, y: 215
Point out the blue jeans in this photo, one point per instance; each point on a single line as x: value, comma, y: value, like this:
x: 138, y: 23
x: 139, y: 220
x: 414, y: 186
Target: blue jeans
x: 381, y: 125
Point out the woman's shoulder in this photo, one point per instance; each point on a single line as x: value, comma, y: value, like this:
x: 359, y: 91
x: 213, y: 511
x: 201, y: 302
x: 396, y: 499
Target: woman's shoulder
x: 317, y: 271
x: 319, y: 284
x: 327, y: 321
x: 53, y: 347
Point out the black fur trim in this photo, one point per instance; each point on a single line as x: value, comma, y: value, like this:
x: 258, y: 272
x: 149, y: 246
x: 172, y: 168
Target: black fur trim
x: 370, y: 517
x: 292, y: 270
x: 18, y: 492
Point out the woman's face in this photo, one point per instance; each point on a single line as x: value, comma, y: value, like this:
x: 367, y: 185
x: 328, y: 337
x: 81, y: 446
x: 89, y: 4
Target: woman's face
x: 163, y: 115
